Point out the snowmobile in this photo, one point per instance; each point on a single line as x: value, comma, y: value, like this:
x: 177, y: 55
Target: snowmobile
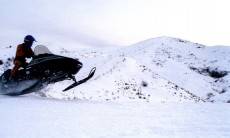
x: 45, y: 68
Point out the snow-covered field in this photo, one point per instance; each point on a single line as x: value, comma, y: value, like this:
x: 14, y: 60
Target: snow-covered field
x: 161, y: 87
x: 31, y: 116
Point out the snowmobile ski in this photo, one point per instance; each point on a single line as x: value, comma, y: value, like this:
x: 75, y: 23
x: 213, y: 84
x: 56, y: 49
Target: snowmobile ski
x: 76, y: 83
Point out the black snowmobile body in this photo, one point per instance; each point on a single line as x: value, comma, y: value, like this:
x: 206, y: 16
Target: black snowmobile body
x: 43, y: 69
x: 52, y: 66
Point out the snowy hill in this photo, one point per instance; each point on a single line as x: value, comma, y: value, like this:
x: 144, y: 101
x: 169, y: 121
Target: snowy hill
x: 155, y: 88
x: 162, y: 70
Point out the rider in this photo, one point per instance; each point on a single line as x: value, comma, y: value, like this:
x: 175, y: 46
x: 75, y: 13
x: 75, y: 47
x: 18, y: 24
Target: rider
x: 23, y: 51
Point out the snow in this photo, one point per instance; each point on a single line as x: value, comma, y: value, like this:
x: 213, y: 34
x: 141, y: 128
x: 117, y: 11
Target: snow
x: 180, y: 99
x: 32, y: 116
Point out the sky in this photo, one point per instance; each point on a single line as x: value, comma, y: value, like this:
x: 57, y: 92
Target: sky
x: 102, y: 23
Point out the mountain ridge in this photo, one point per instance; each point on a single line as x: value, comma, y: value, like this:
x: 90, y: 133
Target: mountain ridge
x: 162, y: 69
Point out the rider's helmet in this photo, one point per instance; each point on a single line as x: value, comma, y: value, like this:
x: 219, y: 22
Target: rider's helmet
x: 29, y: 39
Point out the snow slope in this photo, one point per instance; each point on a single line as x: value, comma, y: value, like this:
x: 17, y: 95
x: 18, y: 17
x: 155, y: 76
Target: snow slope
x: 173, y: 70
x: 161, y: 87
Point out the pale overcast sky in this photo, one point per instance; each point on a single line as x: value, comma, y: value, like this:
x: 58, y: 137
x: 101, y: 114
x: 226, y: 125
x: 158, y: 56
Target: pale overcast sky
x: 75, y: 23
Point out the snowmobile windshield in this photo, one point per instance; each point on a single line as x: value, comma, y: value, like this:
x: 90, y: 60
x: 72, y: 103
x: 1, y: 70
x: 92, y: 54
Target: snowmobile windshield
x: 40, y: 49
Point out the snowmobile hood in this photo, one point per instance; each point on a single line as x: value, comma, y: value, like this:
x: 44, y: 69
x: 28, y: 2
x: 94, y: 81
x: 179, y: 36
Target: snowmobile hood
x: 56, y: 62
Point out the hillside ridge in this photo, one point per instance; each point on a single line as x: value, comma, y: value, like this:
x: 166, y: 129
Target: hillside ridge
x: 162, y: 69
